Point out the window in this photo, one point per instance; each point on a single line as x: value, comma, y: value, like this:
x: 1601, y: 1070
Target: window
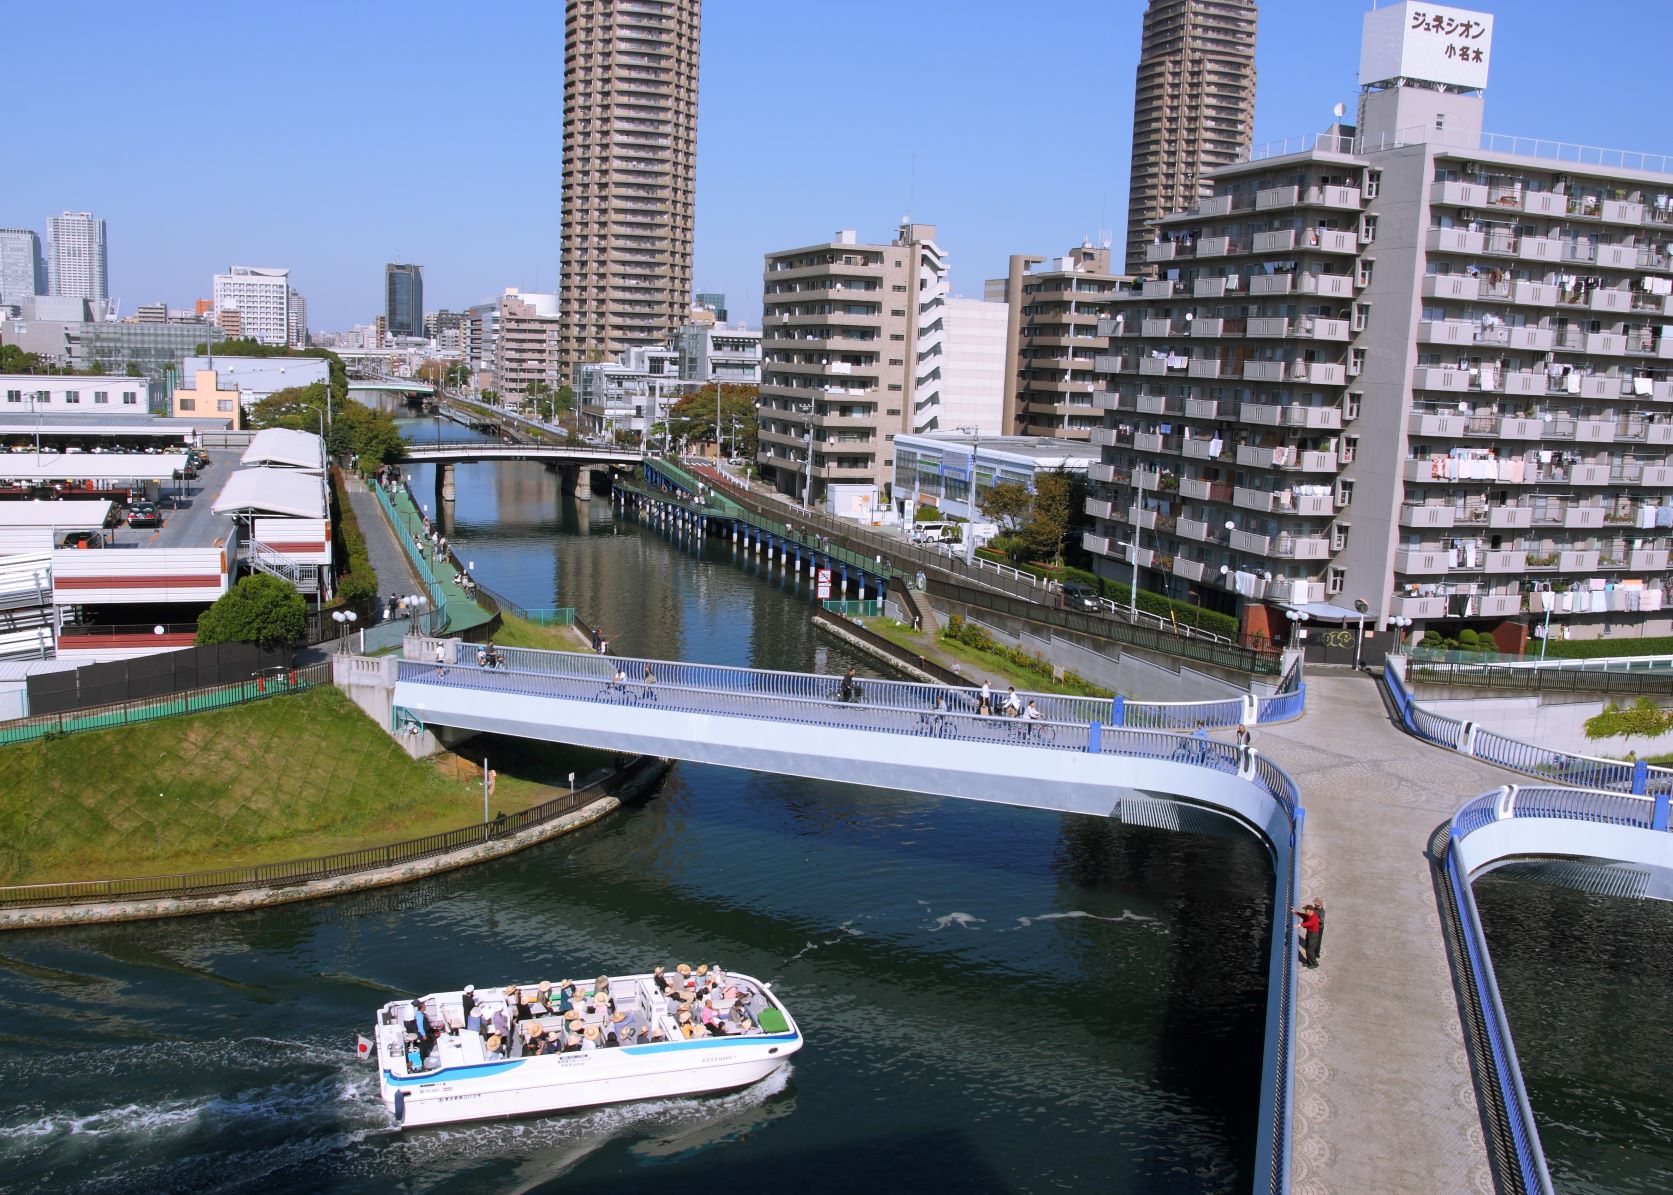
x: 1356, y: 362
x: 894, y: 361
x: 72, y: 396
x: 1368, y: 228
x: 1373, y: 183
x: 1362, y: 316
x: 101, y: 396
x: 1365, y: 264
x: 188, y: 404
x: 1350, y: 409
x: 1339, y: 537
x: 1344, y: 493
x: 129, y: 398
x: 223, y: 404
x: 14, y: 396
x: 1350, y: 445
x: 1338, y: 579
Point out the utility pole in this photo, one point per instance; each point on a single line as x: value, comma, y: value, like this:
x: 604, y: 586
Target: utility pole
x: 1138, y: 503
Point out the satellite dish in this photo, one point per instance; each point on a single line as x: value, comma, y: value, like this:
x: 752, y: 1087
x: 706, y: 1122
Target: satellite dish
x: 1340, y: 110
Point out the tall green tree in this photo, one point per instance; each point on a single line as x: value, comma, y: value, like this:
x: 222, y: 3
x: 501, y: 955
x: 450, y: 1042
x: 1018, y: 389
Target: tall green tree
x: 1059, y: 503
x: 259, y: 609
x: 1009, y: 504
x: 692, y: 418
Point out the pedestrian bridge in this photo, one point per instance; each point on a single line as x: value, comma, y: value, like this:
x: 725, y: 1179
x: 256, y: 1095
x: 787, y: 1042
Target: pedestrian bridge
x: 908, y: 737
x: 446, y: 453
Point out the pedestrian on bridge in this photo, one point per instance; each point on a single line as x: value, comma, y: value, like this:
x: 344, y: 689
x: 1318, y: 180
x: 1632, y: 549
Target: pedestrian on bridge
x: 598, y: 639
x: 1312, y: 929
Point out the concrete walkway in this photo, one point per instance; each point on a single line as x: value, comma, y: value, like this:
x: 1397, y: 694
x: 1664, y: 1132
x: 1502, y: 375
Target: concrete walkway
x: 1384, y: 1099
x: 393, y: 568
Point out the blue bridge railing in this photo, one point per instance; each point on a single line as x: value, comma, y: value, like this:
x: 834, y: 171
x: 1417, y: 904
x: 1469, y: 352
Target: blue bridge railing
x: 1562, y: 767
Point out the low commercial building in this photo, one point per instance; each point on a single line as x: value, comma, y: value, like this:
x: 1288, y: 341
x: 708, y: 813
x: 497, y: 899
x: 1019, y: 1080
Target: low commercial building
x: 729, y: 354
x: 939, y: 470
x: 621, y: 402
x: 32, y: 393
x: 257, y: 378
x: 207, y: 398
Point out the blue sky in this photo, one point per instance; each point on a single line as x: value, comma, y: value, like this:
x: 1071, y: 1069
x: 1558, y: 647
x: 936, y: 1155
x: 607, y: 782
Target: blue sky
x: 332, y: 138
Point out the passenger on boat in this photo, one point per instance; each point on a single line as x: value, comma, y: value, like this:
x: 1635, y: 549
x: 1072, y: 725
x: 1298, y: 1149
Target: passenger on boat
x: 467, y: 1002
x: 739, y: 1015
x: 536, y: 1006
x: 566, y: 996
x: 589, y: 1039
x: 495, y: 1045
x: 717, y: 977
x: 685, y: 975
x: 601, y: 986
x: 711, y: 1022
x: 660, y: 980
x: 687, y: 1029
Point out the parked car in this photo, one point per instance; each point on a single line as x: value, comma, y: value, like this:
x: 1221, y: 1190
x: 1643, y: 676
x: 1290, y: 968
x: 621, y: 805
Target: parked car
x: 144, y: 514
x: 84, y: 539
x: 1076, y: 596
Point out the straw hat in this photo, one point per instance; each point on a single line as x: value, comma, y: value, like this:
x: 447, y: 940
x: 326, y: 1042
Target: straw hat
x: 545, y: 985
x: 592, y: 1030
x: 684, y: 968
x: 573, y: 1014
x: 510, y: 989
x: 702, y: 968
x: 618, y: 1016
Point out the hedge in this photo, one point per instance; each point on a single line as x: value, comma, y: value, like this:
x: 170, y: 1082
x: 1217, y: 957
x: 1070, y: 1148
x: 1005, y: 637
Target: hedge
x: 1152, y: 603
x: 357, y: 584
x: 1592, y: 649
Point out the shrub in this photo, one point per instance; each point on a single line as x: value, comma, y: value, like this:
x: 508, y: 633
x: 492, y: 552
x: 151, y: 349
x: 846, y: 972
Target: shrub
x: 259, y: 609
x: 1642, y: 719
x: 1468, y: 639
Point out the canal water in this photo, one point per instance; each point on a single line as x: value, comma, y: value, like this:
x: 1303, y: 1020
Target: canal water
x: 994, y: 999
x: 1586, y: 983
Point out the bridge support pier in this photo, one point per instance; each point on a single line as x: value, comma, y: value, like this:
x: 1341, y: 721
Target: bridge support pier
x: 446, y: 490
x: 577, y: 480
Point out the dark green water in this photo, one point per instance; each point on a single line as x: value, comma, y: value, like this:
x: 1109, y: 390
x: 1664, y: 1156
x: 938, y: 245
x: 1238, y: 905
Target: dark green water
x: 1587, y: 983
x: 994, y: 999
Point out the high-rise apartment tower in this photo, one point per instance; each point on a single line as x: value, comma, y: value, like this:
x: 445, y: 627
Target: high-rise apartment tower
x: 1193, y: 108
x: 76, y: 266
x: 403, y: 287
x: 22, y: 268
x: 629, y: 169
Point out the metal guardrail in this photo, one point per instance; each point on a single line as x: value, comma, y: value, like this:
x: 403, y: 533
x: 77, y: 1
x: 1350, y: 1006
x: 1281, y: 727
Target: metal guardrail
x: 552, y: 616
x: 1243, y: 659
x: 303, y: 871
x: 150, y: 709
x: 1562, y: 767
x: 1535, y: 679
x: 853, y: 607
x: 434, y: 620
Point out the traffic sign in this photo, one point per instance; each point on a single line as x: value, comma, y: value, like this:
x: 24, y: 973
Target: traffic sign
x: 824, y: 584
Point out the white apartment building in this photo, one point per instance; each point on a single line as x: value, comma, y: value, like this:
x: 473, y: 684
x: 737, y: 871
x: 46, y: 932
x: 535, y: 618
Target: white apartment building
x: 76, y: 262
x: 724, y: 353
x: 31, y: 393
x: 262, y: 298
x: 1413, y: 365
x: 622, y: 401
x: 961, y: 366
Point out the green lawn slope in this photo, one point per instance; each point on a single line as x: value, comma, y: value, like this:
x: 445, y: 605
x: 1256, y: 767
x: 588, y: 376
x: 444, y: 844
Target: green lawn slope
x: 285, y: 778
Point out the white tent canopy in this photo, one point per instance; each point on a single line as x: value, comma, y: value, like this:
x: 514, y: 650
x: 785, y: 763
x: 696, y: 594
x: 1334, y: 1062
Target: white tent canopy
x: 91, y: 466
x: 285, y: 448
x: 68, y: 515
x: 286, y: 493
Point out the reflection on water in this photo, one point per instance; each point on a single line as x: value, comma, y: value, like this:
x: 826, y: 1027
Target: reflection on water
x: 1587, y: 983
x: 994, y: 998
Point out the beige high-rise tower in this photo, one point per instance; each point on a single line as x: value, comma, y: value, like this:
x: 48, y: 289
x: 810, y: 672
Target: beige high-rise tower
x: 1193, y: 108
x: 629, y: 172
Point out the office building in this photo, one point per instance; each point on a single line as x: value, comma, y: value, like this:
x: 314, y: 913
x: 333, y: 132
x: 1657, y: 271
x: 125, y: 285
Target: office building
x: 22, y: 266
x: 262, y: 299
x: 621, y: 401
x: 629, y: 169
x: 76, y: 265
x: 1193, y: 107
x: 1052, y: 340
x: 403, y: 299
x: 839, y: 327
x: 296, y: 321
x: 1411, y: 366
x: 713, y: 352
x: 713, y: 302
x: 940, y: 469
x: 151, y: 349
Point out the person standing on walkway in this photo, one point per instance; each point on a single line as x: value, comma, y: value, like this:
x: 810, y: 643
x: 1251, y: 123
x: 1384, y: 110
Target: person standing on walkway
x: 984, y: 700
x: 597, y: 639
x: 1243, y: 741
x: 1311, y: 930
x: 1318, y: 940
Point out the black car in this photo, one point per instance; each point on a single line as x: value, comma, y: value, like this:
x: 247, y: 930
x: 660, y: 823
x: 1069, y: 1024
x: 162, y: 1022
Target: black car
x: 144, y: 514
x: 84, y: 539
x: 1076, y: 596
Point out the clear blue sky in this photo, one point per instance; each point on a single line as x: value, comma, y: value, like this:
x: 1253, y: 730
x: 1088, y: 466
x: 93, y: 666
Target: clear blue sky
x: 332, y: 138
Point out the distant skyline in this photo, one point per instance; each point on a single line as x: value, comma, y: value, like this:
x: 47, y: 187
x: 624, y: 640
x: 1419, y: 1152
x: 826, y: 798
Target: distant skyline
x: 1009, y: 137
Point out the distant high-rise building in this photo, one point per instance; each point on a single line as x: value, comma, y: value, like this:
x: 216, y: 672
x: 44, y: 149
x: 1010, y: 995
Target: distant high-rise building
x: 1193, y: 108
x: 76, y: 265
x: 296, y: 322
x: 403, y: 306
x: 262, y: 299
x: 22, y: 268
x: 629, y: 171
x: 713, y: 300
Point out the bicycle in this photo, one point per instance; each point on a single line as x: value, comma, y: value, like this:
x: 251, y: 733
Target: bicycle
x: 618, y: 692
x: 1024, y: 730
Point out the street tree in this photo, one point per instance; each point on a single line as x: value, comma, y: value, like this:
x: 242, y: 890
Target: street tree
x: 1059, y: 500
x: 1008, y: 504
x: 260, y: 609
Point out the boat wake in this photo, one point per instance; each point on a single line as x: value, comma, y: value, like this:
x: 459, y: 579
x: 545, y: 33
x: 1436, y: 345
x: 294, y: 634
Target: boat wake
x: 845, y: 931
x: 1072, y: 914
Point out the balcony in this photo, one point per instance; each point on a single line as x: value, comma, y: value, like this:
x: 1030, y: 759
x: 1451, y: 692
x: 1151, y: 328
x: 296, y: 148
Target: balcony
x: 1267, y: 326
x: 1319, y: 373
x: 1515, y: 517
x: 1453, y: 240
x: 1548, y: 249
x: 1432, y: 424
x: 1577, y: 560
x: 1256, y: 500
x: 1162, y: 251
x: 1194, y: 487
x: 1458, y: 194
x: 1611, y: 299
x: 1334, y: 286
x: 1203, y: 367
x: 1313, y: 462
x: 1263, y: 371
x: 1212, y: 288
x: 1420, y: 609
x: 1464, y: 288
x: 1271, y: 284
x: 1617, y: 211
x: 1420, y: 516
x: 1608, y: 344
x: 1422, y: 562
x: 1513, y: 428
x: 1191, y: 570
x: 1098, y: 545
x: 1448, y: 332
x: 1217, y: 247
x: 1280, y: 241
x: 1589, y: 475
x: 1312, y: 547
x: 1334, y: 197
x: 1198, y: 447
x: 1209, y: 408
x: 1192, y: 529
x: 1101, y: 472
x: 1499, y: 605
x: 1619, y: 257
x: 1157, y: 328
x: 1504, y: 561
x: 1647, y: 560
x: 1658, y: 475
x: 1277, y: 197
x: 1249, y: 541
x: 1314, y: 504
x: 1158, y: 289
x: 1594, y: 431
x: 1100, y: 508
x: 1332, y: 240
x: 1536, y: 294
x: 1436, y: 377
x: 1545, y: 203
x: 1583, y: 517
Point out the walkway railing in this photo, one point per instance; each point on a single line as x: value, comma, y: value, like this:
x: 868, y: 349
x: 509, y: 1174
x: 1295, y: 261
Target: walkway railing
x: 1563, y: 767
x: 150, y: 709
x: 550, y: 616
x: 1608, y: 808
x: 434, y: 620
x: 304, y: 871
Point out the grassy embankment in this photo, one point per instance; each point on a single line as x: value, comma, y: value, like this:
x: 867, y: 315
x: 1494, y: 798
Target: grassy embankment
x: 520, y: 632
x: 975, y: 663
x: 286, y: 778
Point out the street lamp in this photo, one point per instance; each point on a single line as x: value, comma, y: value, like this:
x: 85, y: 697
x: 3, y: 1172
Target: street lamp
x: 345, y: 625
x: 1364, y: 608
x: 415, y: 606
x: 1298, y: 620
x: 975, y: 434
x: 1400, y: 622
x: 1133, y: 547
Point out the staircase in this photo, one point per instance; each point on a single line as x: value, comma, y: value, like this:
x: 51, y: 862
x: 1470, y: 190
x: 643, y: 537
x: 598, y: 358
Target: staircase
x: 268, y: 560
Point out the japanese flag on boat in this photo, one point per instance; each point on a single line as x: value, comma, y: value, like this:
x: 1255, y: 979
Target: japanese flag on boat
x: 362, y: 1046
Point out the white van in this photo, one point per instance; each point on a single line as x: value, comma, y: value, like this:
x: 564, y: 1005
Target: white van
x: 935, y: 533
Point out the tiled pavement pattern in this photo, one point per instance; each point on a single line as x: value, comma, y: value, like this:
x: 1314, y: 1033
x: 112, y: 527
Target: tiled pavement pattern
x: 1383, y: 1096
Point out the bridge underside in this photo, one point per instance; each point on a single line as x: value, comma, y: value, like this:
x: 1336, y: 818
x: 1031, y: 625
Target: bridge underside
x: 1613, y: 860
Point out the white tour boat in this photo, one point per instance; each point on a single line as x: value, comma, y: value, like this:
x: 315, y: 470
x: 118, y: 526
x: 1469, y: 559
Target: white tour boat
x: 450, y: 1065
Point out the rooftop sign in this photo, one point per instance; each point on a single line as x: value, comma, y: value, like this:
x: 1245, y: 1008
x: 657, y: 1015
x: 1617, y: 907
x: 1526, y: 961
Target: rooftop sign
x: 1432, y: 42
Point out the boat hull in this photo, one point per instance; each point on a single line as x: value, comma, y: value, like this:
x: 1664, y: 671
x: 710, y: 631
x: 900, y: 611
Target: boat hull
x: 556, y: 1083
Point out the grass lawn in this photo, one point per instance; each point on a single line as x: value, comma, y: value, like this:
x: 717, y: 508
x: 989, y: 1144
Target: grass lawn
x: 520, y: 632
x: 975, y: 664
x: 285, y: 778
